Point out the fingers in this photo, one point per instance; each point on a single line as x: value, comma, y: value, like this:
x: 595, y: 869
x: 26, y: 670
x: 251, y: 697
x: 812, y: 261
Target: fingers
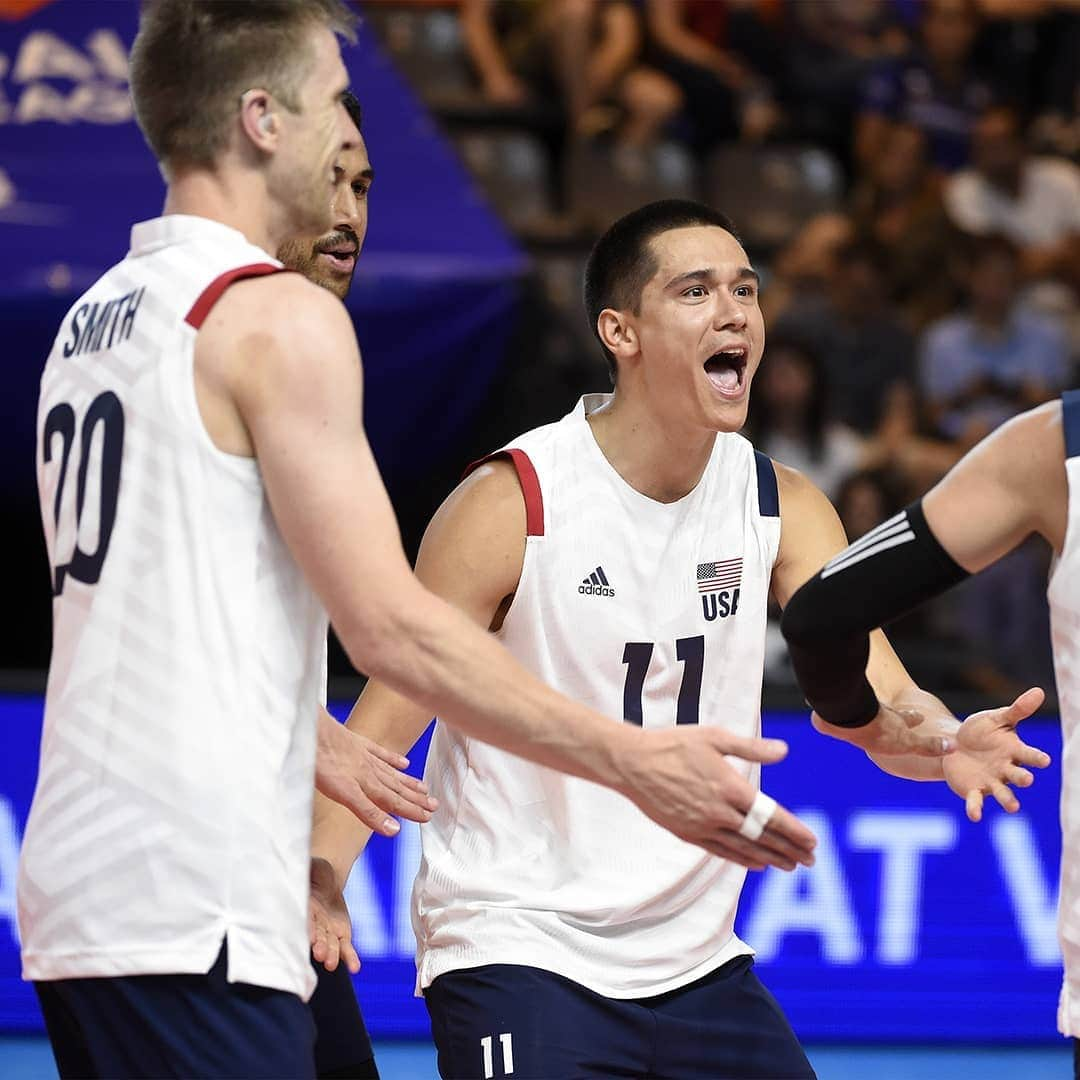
x: 973, y: 805
x: 767, y: 850
x: 397, y: 799
x: 1028, y: 702
x: 363, y: 808
x: 749, y: 853
x: 1033, y: 756
x: 1018, y: 777
x: 333, y: 952
x: 399, y: 761
x: 790, y: 836
x: 1005, y: 797
x: 767, y: 751
x: 317, y: 933
x: 349, y: 955
x: 782, y: 847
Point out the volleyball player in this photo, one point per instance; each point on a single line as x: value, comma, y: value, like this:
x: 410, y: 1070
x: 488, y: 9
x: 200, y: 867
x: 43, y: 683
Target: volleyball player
x: 1021, y: 480
x: 625, y: 554
x: 206, y: 487
x: 342, y: 1045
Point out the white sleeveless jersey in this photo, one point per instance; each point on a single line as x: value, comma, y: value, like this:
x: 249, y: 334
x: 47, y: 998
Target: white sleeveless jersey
x: 647, y: 611
x: 173, y: 803
x: 1064, y: 597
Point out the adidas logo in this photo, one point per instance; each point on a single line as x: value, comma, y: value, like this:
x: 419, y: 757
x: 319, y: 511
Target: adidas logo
x: 596, y: 584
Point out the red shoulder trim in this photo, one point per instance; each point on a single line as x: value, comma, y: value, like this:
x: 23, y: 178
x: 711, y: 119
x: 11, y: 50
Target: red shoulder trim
x: 212, y: 293
x: 530, y: 487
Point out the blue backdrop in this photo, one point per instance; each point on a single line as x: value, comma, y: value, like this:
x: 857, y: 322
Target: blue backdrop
x: 913, y: 925
x: 435, y: 289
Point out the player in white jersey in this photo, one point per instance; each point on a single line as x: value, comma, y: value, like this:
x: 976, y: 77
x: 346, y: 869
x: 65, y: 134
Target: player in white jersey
x: 206, y: 489
x: 342, y: 1044
x: 1021, y: 480
x: 626, y: 553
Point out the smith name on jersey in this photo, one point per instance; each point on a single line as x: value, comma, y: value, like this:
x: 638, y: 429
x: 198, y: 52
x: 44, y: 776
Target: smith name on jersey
x: 173, y: 803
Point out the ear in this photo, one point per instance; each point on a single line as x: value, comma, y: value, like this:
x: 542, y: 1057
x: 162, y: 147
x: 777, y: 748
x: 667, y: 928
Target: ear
x: 258, y: 118
x: 617, y: 332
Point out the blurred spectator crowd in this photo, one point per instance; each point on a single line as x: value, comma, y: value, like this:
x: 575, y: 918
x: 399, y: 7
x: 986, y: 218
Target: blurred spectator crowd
x: 905, y: 174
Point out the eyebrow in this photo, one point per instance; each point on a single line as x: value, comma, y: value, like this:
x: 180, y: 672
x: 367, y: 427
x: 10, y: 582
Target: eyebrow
x: 744, y: 273
x: 366, y: 174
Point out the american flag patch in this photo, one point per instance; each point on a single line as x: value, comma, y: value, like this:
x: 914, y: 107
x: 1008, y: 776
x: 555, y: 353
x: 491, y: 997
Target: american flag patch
x: 712, y: 576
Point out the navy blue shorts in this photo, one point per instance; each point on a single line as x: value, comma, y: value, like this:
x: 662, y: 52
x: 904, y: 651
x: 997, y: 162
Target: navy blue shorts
x: 505, y: 1020
x: 342, y: 1046
x: 176, y: 1026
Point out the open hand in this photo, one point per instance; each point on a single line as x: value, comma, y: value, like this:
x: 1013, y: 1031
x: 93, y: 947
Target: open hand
x: 329, y: 925
x: 361, y: 775
x: 897, y: 732
x: 990, y: 756
x: 682, y: 779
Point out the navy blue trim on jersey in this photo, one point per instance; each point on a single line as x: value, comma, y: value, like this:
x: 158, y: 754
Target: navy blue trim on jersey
x: 1070, y: 422
x: 768, y: 496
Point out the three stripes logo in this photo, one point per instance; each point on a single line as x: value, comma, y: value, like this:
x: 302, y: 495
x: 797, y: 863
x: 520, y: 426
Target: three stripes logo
x: 889, y: 534
x: 596, y: 584
x: 718, y: 584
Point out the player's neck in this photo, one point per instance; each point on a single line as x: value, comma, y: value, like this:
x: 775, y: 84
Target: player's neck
x: 228, y: 198
x: 662, y: 462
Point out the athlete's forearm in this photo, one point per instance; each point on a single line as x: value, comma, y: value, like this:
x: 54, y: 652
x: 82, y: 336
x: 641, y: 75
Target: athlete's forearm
x: 441, y: 660
x: 393, y: 722
x: 891, y: 570
x: 337, y: 836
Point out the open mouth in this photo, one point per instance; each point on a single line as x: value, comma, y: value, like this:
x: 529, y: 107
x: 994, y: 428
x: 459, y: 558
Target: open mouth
x: 342, y: 257
x: 726, y: 371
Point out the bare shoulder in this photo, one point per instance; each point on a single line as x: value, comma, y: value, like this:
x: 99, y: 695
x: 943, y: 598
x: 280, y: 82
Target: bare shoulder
x: 474, y: 548
x: 273, y: 346
x: 810, y: 531
x: 488, y: 506
x: 801, y: 500
x: 284, y: 313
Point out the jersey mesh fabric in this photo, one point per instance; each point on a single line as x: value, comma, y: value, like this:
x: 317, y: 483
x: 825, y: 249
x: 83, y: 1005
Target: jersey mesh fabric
x: 623, y: 602
x: 173, y: 804
x: 1064, y: 597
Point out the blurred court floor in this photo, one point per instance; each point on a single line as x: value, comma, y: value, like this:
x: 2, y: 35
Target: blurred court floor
x: 29, y: 1058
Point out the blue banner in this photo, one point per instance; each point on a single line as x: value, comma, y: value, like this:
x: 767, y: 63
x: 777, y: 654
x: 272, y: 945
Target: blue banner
x: 436, y: 287
x: 914, y: 924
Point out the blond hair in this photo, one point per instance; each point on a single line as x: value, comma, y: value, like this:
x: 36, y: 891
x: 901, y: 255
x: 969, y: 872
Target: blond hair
x: 193, y: 59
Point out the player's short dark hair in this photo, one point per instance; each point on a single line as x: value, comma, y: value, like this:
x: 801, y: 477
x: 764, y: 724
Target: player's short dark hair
x: 352, y: 107
x: 193, y: 59
x: 622, y: 261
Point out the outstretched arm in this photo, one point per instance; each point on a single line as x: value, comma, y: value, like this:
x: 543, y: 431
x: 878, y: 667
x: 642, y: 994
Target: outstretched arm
x: 279, y: 357
x: 1009, y: 486
x: 811, y: 533
x: 471, y: 556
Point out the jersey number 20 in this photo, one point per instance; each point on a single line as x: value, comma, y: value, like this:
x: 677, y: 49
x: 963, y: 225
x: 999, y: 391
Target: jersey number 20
x: 105, y: 411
